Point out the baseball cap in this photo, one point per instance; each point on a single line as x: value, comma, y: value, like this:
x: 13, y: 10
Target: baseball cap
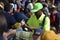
x: 38, y: 32
x: 37, y: 6
x: 30, y: 6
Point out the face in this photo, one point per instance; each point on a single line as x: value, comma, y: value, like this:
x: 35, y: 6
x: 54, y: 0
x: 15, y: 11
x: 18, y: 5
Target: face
x: 38, y: 14
x: 11, y: 10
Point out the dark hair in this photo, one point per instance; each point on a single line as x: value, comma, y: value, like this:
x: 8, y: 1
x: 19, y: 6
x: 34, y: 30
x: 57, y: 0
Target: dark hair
x: 8, y: 7
x: 3, y: 23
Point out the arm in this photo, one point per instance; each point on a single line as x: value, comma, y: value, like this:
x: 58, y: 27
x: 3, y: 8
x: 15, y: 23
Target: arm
x: 10, y: 32
x: 25, y: 25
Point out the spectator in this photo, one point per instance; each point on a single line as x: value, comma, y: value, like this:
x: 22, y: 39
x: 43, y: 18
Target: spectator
x: 3, y: 25
x: 9, y: 20
x: 14, y: 4
x: 50, y: 35
x: 30, y: 6
x: 34, y: 25
x: 53, y: 12
x: 24, y: 3
x: 9, y: 15
x: 37, y: 14
x: 55, y: 17
x: 46, y: 10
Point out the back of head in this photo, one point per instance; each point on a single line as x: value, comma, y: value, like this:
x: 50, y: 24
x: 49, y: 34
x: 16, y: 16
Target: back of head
x: 50, y: 35
x: 3, y: 23
x: 8, y: 7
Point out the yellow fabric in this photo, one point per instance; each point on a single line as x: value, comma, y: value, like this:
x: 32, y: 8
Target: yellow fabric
x: 1, y: 6
x: 17, y: 25
x: 50, y: 35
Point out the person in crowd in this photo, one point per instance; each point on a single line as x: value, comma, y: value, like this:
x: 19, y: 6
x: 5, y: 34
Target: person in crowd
x: 46, y: 10
x: 14, y: 4
x: 41, y: 13
x: 37, y: 18
x: 49, y: 35
x: 24, y: 3
x: 9, y: 20
x: 32, y: 15
x: 3, y: 25
x: 16, y: 16
x: 54, y: 18
x: 9, y: 11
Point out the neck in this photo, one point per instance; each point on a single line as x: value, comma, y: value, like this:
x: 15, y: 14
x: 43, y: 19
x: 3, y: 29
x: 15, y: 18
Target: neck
x: 38, y: 17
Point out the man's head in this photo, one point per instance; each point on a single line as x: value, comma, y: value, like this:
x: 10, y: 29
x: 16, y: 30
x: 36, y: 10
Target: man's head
x: 9, y: 8
x: 37, y: 9
x: 53, y: 10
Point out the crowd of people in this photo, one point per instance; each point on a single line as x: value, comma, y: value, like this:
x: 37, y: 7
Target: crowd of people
x: 29, y: 19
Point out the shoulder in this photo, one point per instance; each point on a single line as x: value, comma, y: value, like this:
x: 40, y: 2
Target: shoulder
x: 47, y: 18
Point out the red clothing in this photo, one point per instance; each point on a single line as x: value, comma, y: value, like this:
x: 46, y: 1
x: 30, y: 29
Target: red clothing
x: 52, y: 19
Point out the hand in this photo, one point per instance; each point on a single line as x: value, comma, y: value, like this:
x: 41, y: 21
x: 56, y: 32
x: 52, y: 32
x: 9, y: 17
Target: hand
x: 5, y: 36
x: 22, y: 22
x: 31, y: 28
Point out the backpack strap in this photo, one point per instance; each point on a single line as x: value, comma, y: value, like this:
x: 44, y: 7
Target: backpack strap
x: 42, y: 25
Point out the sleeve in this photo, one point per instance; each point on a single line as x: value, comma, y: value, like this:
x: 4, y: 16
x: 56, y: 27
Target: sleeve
x: 47, y: 24
x: 14, y: 23
x: 20, y: 16
x: 11, y: 20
